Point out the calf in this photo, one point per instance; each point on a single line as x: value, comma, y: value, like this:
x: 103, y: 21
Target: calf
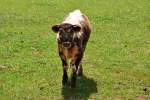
x: 72, y: 36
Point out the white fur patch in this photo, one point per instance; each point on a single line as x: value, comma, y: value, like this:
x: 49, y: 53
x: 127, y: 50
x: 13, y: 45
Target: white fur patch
x: 77, y: 35
x: 57, y: 36
x: 74, y: 18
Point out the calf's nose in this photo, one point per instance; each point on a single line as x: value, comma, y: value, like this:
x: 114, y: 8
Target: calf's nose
x: 67, y: 44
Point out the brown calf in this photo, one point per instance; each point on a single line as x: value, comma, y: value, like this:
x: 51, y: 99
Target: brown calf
x: 72, y: 36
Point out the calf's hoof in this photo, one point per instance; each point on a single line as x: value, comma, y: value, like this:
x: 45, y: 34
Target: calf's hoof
x: 72, y: 85
x: 80, y: 72
x: 64, y: 82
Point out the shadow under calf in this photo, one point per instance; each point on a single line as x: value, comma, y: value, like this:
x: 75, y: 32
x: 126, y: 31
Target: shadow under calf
x: 85, y: 87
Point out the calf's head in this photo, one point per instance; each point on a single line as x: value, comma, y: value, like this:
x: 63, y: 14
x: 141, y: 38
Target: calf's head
x: 66, y: 33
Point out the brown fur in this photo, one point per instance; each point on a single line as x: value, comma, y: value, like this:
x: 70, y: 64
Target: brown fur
x: 68, y: 53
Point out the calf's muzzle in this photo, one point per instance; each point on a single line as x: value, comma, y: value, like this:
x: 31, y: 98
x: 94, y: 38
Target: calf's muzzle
x: 66, y: 44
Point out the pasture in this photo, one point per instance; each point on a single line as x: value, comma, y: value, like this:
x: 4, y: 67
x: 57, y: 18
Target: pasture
x: 116, y: 62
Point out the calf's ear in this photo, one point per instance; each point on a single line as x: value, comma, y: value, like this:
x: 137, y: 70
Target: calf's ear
x: 55, y: 28
x: 76, y: 28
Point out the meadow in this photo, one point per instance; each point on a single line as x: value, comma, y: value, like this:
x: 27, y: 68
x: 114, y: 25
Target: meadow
x: 116, y: 62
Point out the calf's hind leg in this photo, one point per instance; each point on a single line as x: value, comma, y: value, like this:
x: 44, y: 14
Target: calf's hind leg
x: 74, y: 64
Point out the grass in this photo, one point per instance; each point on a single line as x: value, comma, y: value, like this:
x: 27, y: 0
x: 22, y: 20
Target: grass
x: 116, y: 61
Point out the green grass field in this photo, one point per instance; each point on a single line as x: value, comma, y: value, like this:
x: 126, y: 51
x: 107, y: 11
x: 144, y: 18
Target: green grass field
x: 116, y: 62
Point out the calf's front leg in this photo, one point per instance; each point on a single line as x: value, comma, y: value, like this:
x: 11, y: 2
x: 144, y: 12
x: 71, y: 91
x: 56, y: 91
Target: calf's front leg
x: 65, y: 68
